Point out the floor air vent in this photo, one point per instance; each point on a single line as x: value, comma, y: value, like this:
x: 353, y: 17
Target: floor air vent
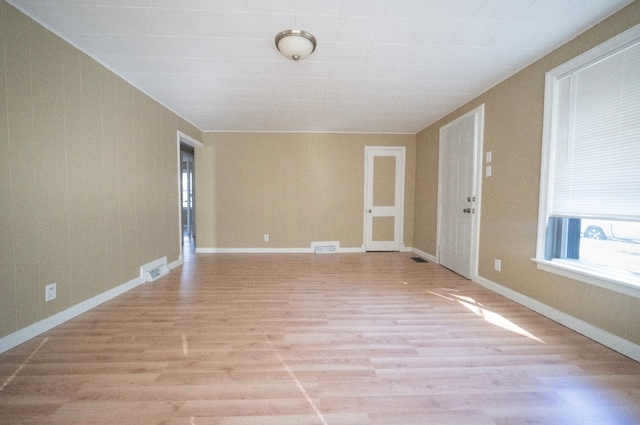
x: 325, y: 247
x: 155, y: 269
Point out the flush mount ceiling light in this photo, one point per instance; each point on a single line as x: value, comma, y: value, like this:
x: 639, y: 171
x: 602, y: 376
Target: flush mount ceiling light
x: 295, y: 44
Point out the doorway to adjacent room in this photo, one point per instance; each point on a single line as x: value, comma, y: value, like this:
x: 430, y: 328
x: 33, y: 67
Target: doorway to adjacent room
x: 187, y: 196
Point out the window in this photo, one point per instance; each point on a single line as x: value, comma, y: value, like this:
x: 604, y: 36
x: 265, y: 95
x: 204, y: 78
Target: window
x: 590, y: 179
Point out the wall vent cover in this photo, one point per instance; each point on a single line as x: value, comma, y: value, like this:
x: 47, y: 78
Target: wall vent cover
x: 157, y: 273
x: 154, y: 270
x: 325, y: 247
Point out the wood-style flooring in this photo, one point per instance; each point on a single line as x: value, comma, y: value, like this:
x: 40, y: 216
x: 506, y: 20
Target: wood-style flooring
x: 335, y: 339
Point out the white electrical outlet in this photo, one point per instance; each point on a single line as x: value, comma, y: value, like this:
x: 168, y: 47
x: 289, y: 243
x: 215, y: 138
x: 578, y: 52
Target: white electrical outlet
x: 50, y: 292
x: 266, y: 237
x: 498, y: 264
x: 488, y: 171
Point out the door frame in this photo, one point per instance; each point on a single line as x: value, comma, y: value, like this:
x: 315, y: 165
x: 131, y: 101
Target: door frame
x: 190, y: 141
x: 478, y: 115
x: 400, y: 195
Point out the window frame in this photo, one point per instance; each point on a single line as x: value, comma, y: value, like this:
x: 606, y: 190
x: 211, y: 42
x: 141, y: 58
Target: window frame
x: 608, y: 278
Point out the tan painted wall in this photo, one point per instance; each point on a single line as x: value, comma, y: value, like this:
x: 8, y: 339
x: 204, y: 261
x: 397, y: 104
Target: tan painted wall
x: 508, y: 230
x: 88, y: 175
x: 297, y: 188
x: 426, y: 213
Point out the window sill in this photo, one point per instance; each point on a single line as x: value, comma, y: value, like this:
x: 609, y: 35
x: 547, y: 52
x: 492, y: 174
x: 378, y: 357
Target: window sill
x: 613, y: 280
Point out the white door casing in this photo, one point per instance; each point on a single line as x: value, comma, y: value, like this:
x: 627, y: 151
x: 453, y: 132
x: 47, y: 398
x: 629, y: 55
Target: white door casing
x: 460, y: 166
x: 384, y: 198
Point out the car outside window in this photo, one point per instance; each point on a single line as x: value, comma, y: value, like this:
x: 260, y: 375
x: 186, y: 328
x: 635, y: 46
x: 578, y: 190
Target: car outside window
x: 613, y: 244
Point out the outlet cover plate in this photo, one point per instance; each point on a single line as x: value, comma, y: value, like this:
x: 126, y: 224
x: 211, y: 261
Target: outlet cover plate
x: 50, y: 292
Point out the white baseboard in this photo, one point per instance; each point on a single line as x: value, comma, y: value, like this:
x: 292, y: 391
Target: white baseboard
x: 299, y: 251
x: 425, y: 255
x: 254, y: 251
x: 269, y: 250
x: 605, y: 338
x: 12, y: 340
x: 353, y: 250
x: 175, y: 264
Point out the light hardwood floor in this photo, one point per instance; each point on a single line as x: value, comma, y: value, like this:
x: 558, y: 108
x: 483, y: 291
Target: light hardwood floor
x: 342, y: 339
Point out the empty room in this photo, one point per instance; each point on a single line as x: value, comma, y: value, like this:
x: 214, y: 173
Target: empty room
x: 341, y: 212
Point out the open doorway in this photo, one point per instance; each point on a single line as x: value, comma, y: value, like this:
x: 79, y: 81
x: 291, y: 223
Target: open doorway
x: 187, y: 197
x: 187, y: 187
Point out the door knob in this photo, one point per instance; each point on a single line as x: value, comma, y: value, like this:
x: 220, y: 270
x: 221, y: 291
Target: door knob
x: 466, y: 210
x: 369, y: 211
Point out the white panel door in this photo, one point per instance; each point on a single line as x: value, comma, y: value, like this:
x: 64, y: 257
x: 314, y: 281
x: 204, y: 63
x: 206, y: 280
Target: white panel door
x: 384, y: 198
x: 458, y: 146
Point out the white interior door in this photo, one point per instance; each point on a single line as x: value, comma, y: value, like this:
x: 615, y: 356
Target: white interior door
x: 384, y: 198
x: 459, y: 194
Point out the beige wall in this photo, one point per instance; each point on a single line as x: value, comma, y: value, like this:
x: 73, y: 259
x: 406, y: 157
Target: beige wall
x: 508, y: 230
x: 88, y: 175
x: 426, y: 212
x: 297, y: 188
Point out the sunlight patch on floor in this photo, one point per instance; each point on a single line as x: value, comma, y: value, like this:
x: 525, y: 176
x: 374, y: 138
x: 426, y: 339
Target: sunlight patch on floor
x: 496, y: 319
x: 488, y: 315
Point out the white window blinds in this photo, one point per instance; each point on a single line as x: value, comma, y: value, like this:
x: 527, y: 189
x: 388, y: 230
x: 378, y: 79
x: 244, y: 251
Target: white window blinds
x: 595, y: 158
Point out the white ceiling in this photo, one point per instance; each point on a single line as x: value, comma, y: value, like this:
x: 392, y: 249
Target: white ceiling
x: 381, y: 66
